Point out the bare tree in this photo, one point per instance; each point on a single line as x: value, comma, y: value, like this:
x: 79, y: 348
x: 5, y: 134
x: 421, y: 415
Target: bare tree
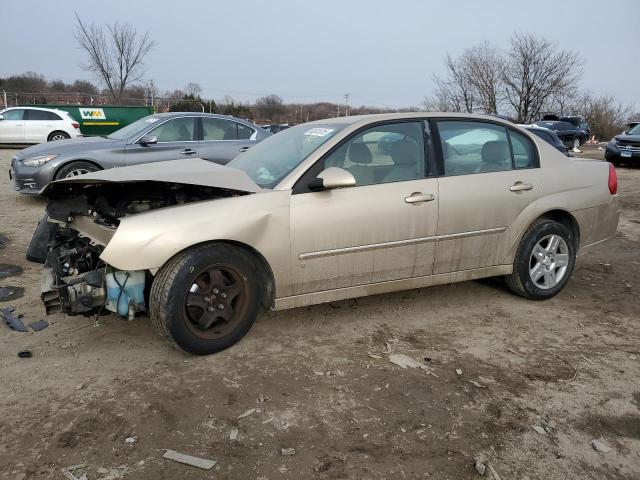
x: 484, y: 67
x: 270, y: 107
x: 193, y: 89
x: 605, y: 115
x: 116, y: 55
x: 536, y: 71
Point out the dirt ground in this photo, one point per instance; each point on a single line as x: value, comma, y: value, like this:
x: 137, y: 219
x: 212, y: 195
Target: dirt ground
x: 318, y: 380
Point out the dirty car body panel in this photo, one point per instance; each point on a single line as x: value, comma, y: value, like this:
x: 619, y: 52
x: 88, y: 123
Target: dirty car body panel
x: 450, y: 197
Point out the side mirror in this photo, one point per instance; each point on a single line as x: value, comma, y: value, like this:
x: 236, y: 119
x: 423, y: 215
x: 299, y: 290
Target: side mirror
x: 148, y: 140
x: 332, y: 177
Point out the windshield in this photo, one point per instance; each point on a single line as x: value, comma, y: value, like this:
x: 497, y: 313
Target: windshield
x: 635, y: 130
x: 268, y: 162
x: 133, y: 128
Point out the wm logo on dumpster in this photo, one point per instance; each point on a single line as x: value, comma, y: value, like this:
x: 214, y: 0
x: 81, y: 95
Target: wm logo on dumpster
x: 92, y: 114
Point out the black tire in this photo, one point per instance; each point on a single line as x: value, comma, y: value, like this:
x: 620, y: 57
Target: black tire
x: 174, y: 318
x: 520, y: 281
x: 58, y: 135
x: 615, y: 161
x: 73, y: 169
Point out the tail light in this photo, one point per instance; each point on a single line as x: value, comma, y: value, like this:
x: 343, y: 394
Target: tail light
x: 75, y: 125
x: 613, y: 180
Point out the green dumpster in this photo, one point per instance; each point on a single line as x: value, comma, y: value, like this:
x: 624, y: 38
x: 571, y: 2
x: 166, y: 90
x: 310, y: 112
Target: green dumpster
x: 101, y: 119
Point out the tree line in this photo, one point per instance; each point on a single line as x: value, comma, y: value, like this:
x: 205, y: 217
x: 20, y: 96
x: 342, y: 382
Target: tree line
x: 531, y: 78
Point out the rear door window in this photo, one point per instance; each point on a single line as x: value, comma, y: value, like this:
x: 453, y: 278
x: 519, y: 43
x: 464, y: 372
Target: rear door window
x: 474, y: 147
x: 36, y: 115
x: 478, y: 147
x: 219, y: 129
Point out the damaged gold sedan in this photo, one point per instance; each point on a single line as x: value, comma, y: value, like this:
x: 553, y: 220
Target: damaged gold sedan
x: 324, y: 211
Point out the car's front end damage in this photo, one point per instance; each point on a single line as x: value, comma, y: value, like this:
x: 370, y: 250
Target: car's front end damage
x: 82, y: 217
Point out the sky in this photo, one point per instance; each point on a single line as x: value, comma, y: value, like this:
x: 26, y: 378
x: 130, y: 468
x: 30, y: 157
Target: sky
x: 382, y: 52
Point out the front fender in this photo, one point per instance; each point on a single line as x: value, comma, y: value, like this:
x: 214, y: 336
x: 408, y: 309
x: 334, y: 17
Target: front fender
x: 147, y: 241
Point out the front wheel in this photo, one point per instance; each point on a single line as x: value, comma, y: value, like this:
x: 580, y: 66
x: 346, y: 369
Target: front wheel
x: 74, y: 169
x: 206, y: 298
x: 544, y: 261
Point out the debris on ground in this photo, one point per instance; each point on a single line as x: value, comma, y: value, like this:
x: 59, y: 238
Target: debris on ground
x: 7, y: 270
x: 607, y: 268
x: 131, y: 440
x: 373, y: 355
x: 70, y: 472
x: 39, y: 325
x: 586, y: 359
x: 599, y: 446
x: 288, y: 451
x: 539, y: 429
x: 510, y: 350
x: 404, y: 361
x: 493, y: 472
x: 12, y: 321
x: 458, y: 371
x: 628, y: 288
x: 476, y: 384
x: 203, y: 463
x: 233, y: 435
x: 480, y: 463
x: 10, y: 293
x: 25, y: 354
x: 251, y: 411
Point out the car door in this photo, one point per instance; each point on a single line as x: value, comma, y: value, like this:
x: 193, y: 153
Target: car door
x: 382, y: 229
x: 176, y: 139
x: 489, y: 175
x: 12, y: 126
x: 38, y: 125
x: 223, y: 139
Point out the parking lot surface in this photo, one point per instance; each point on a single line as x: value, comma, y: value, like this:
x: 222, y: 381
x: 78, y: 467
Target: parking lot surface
x: 318, y: 380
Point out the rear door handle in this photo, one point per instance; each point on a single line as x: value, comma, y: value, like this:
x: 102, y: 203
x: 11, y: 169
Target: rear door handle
x: 520, y: 187
x: 418, y: 197
x: 244, y: 149
x: 188, y: 151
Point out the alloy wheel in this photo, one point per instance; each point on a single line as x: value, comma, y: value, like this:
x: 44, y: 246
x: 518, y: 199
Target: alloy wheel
x: 77, y: 172
x: 549, y: 261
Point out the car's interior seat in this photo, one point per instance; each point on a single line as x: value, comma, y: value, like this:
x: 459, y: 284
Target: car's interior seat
x: 183, y: 134
x: 496, y: 156
x: 360, y: 157
x: 406, y: 165
x: 230, y: 133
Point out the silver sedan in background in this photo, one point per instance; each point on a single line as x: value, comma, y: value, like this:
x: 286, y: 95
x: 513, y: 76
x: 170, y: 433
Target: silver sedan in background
x: 160, y: 137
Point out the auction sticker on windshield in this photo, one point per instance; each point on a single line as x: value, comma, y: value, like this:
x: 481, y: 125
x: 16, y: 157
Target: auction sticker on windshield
x: 318, y: 132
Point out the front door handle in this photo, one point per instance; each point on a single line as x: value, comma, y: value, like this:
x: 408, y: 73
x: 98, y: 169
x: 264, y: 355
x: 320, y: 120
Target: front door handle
x: 244, y: 149
x: 419, y: 197
x: 188, y: 151
x: 520, y: 187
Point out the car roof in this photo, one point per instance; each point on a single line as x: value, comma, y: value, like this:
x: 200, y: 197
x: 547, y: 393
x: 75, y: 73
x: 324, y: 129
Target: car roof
x: 381, y: 117
x: 56, y: 110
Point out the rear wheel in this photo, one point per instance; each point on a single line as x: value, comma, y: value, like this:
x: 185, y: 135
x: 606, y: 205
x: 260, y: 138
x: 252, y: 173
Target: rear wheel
x: 206, y: 298
x: 53, y: 136
x: 544, y: 261
x: 74, y: 169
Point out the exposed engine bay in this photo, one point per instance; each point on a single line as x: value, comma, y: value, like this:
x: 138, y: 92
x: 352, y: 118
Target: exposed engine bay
x: 80, y: 220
